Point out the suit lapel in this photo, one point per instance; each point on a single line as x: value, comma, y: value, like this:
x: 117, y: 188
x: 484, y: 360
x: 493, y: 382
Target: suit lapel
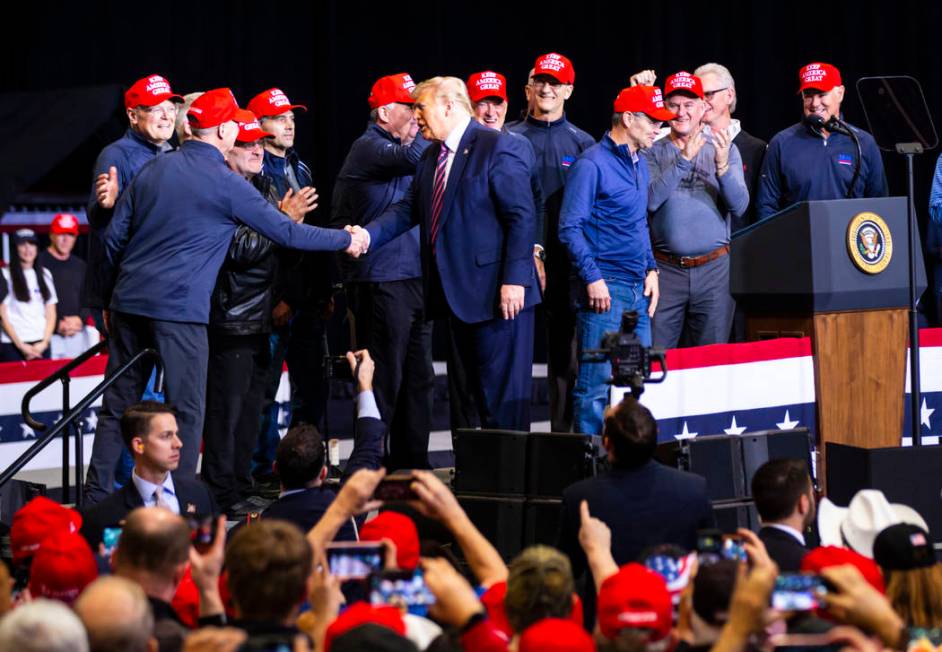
x: 465, y: 146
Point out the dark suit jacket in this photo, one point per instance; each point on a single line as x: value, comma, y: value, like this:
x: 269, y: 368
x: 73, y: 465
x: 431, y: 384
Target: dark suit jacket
x: 306, y: 507
x: 643, y: 507
x: 486, y: 226
x: 193, y: 495
x: 752, y: 151
x: 784, y: 549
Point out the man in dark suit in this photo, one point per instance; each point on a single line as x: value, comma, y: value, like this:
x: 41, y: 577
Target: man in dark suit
x: 642, y: 501
x: 784, y: 497
x: 471, y: 198
x: 300, y: 458
x: 149, y: 430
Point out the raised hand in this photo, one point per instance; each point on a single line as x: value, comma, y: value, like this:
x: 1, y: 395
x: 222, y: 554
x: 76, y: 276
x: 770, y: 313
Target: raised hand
x: 298, y: 204
x: 643, y: 78
x: 106, y: 188
x: 721, y: 143
x: 694, y: 144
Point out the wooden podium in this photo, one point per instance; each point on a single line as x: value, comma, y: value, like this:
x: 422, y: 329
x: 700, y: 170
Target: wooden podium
x: 836, y: 271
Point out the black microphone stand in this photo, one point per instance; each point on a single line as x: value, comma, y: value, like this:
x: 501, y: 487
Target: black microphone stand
x: 837, y: 126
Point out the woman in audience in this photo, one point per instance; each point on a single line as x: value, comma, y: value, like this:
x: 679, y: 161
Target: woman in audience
x: 913, y: 576
x: 28, y: 311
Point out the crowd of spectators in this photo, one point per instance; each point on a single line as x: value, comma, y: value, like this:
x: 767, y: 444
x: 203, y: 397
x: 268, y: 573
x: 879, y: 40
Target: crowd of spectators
x: 175, y: 580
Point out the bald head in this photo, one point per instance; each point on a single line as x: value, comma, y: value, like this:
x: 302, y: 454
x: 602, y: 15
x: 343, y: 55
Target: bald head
x: 153, y: 550
x: 116, y: 615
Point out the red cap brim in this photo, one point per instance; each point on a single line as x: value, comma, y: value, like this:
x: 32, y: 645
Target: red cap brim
x: 661, y: 115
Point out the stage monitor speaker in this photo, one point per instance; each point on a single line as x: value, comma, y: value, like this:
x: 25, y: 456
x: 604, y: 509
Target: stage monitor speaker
x: 490, y: 461
x: 912, y: 476
x: 764, y: 445
x: 541, y: 521
x: 718, y: 458
x: 556, y: 460
x: 499, y: 518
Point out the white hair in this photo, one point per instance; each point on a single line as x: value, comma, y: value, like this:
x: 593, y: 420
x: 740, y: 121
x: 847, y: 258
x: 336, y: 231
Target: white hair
x: 43, y: 626
x: 724, y: 75
x: 446, y: 88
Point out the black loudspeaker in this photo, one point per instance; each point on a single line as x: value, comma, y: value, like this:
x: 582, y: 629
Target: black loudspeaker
x: 764, y: 445
x: 556, y: 460
x: 499, y: 518
x: 912, y: 476
x: 733, y: 514
x: 490, y: 461
x: 541, y: 521
x: 718, y: 458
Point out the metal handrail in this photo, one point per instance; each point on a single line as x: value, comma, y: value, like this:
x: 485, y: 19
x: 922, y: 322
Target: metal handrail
x: 69, y: 416
x: 62, y: 374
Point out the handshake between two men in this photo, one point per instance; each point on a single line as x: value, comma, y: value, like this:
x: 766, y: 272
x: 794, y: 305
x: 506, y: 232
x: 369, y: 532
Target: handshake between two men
x: 359, y: 240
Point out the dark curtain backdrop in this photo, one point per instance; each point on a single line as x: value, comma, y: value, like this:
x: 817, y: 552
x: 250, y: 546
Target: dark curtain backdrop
x: 327, y: 53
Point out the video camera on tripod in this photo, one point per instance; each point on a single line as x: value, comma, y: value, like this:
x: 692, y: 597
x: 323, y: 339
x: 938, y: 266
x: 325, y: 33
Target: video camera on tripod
x: 631, y: 360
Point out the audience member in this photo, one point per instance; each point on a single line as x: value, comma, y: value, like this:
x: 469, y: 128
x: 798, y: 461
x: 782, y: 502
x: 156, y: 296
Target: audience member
x: 642, y: 501
x: 364, y: 627
x: 858, y: 524
x: 555, y: 635
x: 116, y: 616
x: 912, y: 574
x: 149, y: 430
x: 62, y: 567
x: 154, y: 552
x: 43, y: 626
x: 28, y: 310
x: 300, y: 459
x: 539, y: 585
x: 784, y: 497
x: 35, y: 521
x: 399, y: 533
x: 71, y: 337
x: 829, y: 556
x: 634, y: 605
x: 269, y: 566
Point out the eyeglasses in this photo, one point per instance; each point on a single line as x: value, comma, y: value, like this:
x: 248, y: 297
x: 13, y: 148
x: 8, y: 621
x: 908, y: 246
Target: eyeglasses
x: 709, y: 94
x: 540, y: 83
x: 159, y: 110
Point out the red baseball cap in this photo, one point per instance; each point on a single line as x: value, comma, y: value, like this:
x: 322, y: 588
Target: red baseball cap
x: 401, y: 530
x: 64, y: 223
x: 212, y: 108
x: 827, y: 556
x: 362, y: 613
x: 149, y: 91
x: 249, y: 128
x: 487, y: 84
x: 683, y: 82
x: 556, y: 66
x: 555, y: 635
x: 819, y: 76
x: 643, y: 99
x: 62, y: 567
x: 637, y: 598
x: 272, y: 102
x: 392, y: 88
x: 35, y: 521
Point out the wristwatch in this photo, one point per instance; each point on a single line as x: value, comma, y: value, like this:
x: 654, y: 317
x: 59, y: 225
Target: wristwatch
x: 540, y: 252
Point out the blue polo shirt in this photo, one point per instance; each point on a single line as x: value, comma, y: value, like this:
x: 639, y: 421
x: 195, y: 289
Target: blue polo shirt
x: 172, y: 228
x: 604, y: 216
x: 801, y: 165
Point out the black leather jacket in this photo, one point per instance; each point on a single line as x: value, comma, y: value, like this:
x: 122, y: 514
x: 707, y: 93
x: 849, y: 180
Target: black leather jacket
x: 242, y: 299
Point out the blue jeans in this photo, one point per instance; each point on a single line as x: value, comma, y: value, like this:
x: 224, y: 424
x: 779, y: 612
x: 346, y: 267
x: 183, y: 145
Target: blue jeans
x: 590, y: 396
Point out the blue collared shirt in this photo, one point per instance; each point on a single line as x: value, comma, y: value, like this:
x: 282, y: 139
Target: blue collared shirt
x: 147, y: 490
x: 604, y: 218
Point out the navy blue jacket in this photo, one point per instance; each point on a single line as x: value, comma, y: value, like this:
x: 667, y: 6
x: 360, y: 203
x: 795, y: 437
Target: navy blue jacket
x: 604, y: 218
x: 375, y: 175
x: 128, y: 155
x: 172, y: 228
x: 643, y: 507
x: 275, y: 167
x: 486, y: 225
x: 800, y: 165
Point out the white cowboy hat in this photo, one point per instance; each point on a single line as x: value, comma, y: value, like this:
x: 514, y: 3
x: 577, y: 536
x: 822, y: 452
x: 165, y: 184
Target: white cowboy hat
x: 858, y: 524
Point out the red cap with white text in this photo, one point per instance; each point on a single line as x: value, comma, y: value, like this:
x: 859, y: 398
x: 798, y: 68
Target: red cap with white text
x: 487, y: 84
x: 392, y: 88
x: 643, y: 99
x: 556, y: 66
x: 818, y: 76
x: 683, y: 82
x: 249, y: 129
x: 272, y: 102
x: 149, y: 91
x: 212, y: 108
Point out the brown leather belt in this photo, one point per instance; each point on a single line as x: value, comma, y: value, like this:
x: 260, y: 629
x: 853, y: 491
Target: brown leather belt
x: 686, y: 262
